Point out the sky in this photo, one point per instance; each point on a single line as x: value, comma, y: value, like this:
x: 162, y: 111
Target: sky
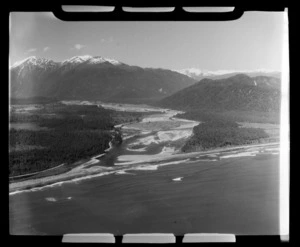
x: 252, y: 42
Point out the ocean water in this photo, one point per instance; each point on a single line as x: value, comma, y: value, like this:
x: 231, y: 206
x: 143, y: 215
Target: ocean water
x: 237, y: 196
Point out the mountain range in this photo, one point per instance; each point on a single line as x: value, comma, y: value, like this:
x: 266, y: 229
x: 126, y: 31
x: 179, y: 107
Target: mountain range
x: 93, y: 78
x: 236, y: 93
x: 198, y: 74
x: 109, y: 80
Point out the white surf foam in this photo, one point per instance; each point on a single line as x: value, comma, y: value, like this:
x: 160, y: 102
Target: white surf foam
x: 74, y: 180
x: 177, y: 179
x: 122, y: 172
x: 203, y: 160
x: 16, y: 192
x: 65, y: 181
x: 50, y: 199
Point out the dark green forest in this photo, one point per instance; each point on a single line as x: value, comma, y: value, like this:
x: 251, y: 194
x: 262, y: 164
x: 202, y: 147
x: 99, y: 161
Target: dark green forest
x: 57, y: 147
x: 218, y: 132
x: 71, y: 133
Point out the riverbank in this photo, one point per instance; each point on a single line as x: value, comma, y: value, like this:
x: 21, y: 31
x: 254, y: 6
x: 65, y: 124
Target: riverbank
x: 84, y: 170
x: 159, y: 130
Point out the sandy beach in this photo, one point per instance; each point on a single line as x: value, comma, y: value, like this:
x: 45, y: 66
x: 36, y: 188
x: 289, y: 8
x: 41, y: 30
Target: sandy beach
x: 161, y: 131
x: 81, y: 172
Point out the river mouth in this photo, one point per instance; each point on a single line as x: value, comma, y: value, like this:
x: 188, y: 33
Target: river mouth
x: 154, y: 142
x: 147, y: 185
x: 156, y: 138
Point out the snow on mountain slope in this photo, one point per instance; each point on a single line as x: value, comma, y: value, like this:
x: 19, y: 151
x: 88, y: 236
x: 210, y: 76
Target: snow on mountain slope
x: 199, y: 74
x: 32, y: 63
x: 87, y: 77
x: 90, y: 59
x: 30, y: 59
x: 40, y: 62
x: 76, y: 60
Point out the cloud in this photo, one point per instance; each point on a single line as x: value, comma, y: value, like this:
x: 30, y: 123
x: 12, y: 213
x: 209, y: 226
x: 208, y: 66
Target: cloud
x: 46, y: 48
x: 78, y: 46
x: 31, y: 50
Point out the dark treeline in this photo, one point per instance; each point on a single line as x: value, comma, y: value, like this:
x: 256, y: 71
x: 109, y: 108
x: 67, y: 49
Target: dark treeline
x: 58, y: 147
x: 32, y: 100
x: 73, y: 132
x: 219, y: 132
x: 77, y: 115
x: 119, y: 117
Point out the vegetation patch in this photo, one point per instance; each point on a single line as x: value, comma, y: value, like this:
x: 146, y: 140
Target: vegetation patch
x: 221, y: 133
x: 64, y: 134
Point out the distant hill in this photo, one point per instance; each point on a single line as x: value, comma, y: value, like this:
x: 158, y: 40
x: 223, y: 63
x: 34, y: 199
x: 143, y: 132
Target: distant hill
x: 93, y: 78
x: 198, y: 74
x: 237, y: 93
x: 32, y: 100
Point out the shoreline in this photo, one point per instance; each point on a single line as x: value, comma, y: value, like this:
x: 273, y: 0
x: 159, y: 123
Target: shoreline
x: 85, y: 168
x: 78, y: 171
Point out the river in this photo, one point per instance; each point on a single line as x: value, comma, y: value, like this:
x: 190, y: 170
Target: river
x: 146, y: 185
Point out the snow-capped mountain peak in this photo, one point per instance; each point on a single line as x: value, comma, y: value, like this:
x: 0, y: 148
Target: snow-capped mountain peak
x: 112, y: 61
x: 43, y: 64
x: 31, y: 59
x: 99, y: 59
x: 198, y: 74
x: 90, y: 59
x: 190, y: 70
x: 34, y: 62
x: 77, y: 59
